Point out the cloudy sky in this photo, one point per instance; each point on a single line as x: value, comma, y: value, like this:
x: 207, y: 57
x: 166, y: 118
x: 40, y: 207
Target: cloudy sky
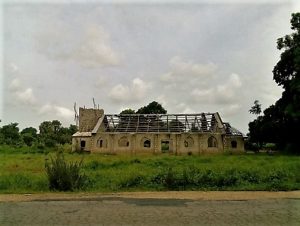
x: 190, y: 56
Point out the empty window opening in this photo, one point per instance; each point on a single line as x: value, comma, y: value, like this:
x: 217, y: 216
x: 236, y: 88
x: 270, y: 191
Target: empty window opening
x: 102, y: 143
x: 186, y: 144
x: 82, y: 144
x: 212, y: 142
x: 123, y: 142
x: 233, y: 144
x: 165, y: 146
x: 189, y: 142
x: 147, y: 144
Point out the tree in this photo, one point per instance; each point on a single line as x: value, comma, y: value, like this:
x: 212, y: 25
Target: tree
x: 127, y: 111
x: 45, y: 128
x: 283, y: 118
x: 176, y: 126
x: 73, y: 129
x: 52, y: 133
x: 152, y: 108
x: 256, y: 108
x: 29, y: 135
x: 10, y: 134
x: 30, y: 130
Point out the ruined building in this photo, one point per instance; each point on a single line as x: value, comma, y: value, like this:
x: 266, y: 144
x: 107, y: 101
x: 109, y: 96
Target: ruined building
x: 154, y: 133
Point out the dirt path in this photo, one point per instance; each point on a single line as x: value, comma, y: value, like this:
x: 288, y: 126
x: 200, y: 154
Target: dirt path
x: 192, y: 195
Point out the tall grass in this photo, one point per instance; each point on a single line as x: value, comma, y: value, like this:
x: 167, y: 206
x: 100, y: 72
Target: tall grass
x: 63, y: 175
x: 21, y: 172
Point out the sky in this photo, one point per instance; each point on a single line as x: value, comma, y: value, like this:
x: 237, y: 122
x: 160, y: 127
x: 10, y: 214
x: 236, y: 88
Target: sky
x: 190, y: 56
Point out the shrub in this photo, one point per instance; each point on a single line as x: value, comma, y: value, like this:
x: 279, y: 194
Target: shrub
x: 64, y: 176
x: 170, y: 179
x: 132, y: 181
x: 276, y: 180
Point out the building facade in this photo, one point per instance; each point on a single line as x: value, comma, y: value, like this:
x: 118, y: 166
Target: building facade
x: 154, y: 133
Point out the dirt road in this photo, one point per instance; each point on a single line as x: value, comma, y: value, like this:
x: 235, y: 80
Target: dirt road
x: 152, y: 208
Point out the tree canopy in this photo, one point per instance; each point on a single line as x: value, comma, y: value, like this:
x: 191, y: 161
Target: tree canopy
x: 51, y: 133
x: 256, y: 108
x: 127, y: 111
x: 280, y: 121
x: 152, y: 108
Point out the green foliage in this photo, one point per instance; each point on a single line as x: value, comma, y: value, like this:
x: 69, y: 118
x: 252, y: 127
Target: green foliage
x: 23, y: 182
x: 52, y: 133
x: 10, y: 134
x: 64, y: 176
x: 256, y: 108
x: 176, y: 126
x: 152, y: 108
x: 29, y: 130
x: 280, y: 120
x: 127, y: 111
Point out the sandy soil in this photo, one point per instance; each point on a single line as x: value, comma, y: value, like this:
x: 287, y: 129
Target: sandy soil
x: 192, y: 195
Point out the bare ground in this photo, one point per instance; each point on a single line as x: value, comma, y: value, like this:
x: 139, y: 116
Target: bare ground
x: 193, y: 195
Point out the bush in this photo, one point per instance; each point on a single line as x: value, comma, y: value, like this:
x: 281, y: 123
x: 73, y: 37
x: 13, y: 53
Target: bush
x: 132, y: 181
x: 64, y: 176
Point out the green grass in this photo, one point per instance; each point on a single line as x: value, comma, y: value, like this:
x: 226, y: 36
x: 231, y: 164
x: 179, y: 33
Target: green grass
x: 25, y: 172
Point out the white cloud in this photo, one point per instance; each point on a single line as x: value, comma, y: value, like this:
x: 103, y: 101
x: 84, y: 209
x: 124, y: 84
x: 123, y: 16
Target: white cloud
x: 181, y: 70
x: 119, y: 93
x: 234, y: 81
x: 135, y: 92
x: 183, y: 108
x: 61, y: 41
x: 230, y: 110
x: 26, y: 96
x: 20, y: 94
x: 58, y: 111
x: 162, y: 100
x: 139, y: 88
x: 202, y: 94
x: 219, y: 93
x: 228, y: 92
x: 95, y: 49
x: 15, y: 85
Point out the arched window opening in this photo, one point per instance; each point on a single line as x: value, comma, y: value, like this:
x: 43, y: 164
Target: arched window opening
x: 101, y: 143
x: 233, y: 144
x: 212, y: 142
x: 189, y: 142
x: 186, y: 144
x: 123, y: 142
x: 147, y: 144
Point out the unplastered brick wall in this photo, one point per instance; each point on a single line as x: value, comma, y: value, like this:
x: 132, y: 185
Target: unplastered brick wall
x: 88, y: 118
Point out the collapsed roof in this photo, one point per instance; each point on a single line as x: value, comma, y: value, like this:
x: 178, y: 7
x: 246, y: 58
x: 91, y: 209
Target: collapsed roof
x: 203, y: 122
x: 92, y: 121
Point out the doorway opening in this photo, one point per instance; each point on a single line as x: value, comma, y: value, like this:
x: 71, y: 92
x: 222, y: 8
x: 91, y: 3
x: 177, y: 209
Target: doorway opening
x: 165, y: 146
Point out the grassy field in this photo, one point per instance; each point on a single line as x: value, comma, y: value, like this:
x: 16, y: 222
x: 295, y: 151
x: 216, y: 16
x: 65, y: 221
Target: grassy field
x: 24, y: 172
